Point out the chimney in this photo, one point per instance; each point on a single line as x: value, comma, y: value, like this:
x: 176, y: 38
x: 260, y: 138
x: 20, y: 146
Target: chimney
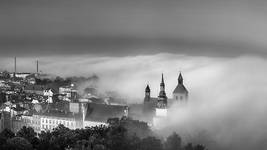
x: 37, y: 67
x: 15, y: 65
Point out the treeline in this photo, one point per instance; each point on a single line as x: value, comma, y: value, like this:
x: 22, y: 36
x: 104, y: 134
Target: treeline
x: 114, y: 137
x: 66, y: 81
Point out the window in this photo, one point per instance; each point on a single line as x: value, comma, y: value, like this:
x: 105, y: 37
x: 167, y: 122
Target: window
x: 50, y: 121
x: 181, y: 97
x: 176, y: 98
x: 46, y: 121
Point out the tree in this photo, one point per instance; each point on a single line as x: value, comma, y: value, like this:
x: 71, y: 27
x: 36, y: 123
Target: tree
x: 18, y: 143
x: 5, y: 75
x: 7, y: 134
x: 173, y: 142
x: 117, y: 139
x: 189, y: 146
x: 27, y: 133
x: 199, y: 147
x: 44, y: 138
x: 151, y: 143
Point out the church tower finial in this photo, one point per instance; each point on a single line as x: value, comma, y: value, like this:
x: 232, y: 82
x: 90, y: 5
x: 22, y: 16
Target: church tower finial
x: 162, y: 84
x: 147, y: 93
x: 180, y: 79
x: 162, y: 98
x: 147, y: 88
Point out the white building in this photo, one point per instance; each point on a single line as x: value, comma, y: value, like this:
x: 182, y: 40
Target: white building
x: 157, y: 108
x: 49, y: 93
x: 70, y: 92
x: 98, y: 114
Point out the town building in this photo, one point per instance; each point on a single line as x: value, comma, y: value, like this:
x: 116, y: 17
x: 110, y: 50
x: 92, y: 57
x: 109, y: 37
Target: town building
x: 156, y: 109
x: 49, y: 92
x: 98, y: 114
x: 2, y: 125
x: 34, y: 89
x: 180, y: 93
x: 70, y: 92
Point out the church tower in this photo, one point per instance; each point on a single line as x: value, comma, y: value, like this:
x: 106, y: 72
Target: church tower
x: 147, y: 94
x: 180, y: 93
x: 162, y: 98
x: 161, y: 108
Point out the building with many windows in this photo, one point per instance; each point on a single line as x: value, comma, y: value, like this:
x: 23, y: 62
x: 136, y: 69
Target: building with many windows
x: 154, y: 109
x: 98, y: 114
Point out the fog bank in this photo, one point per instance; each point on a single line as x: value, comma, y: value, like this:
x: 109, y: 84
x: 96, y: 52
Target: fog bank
x: 227, y: 96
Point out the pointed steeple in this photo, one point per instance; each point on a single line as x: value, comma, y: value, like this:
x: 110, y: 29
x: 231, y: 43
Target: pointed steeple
x: 147, y: 94
x: 147, y: 89
x: 162, y: 98
x: 162, y: 80
x: 180, y: 79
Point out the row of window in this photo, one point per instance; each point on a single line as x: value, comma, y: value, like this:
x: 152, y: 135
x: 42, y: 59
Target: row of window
x: 31, y: 121
x: 56, y: 122
x: 48, y: 127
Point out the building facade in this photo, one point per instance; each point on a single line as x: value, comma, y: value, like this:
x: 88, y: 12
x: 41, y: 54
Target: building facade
x: 156, y: 109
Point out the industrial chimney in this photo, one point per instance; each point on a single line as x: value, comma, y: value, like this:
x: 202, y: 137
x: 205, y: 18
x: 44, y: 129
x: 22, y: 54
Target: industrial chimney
x: 37, y: 67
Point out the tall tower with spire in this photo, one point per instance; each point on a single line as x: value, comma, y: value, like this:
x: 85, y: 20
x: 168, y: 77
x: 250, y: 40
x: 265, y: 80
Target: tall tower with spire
x: 180, y: 93
x: 162, y: 98
x: 147, y: 94
x: 161, y: 107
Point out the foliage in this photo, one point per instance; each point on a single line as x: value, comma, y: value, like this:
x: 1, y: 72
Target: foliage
x: 173, y: 142
x: 118, y: 136
x: 18, y: 143
x: 27, y: 133
x: 5, y: 75
x: 7, y: 133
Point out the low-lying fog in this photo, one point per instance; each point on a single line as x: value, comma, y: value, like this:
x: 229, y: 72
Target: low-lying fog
x: 227, y: 96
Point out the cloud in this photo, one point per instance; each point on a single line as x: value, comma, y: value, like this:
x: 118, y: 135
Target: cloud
x: 118, y: 28
x: 227, y: 107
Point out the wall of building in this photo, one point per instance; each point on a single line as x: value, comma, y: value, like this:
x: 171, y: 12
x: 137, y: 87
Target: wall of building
x: 92, y: 123
x: 49, y: 122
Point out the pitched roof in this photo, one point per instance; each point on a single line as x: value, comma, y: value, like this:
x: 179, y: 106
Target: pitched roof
x: 101, y: 112
x: 60, y: 110
x: 35, y: 87
x: 180, y: 88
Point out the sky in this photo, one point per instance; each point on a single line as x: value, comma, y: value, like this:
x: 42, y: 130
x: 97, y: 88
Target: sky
x: 125, y: 27
x: 219, y: 45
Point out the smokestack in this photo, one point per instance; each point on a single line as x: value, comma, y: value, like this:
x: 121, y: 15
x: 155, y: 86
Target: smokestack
x: 15, y: 65
x: 37, y: 67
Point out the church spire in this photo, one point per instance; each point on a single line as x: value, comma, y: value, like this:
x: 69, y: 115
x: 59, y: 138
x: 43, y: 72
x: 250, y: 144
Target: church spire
x: 162, y: 84
x: 180, y: 79
x: 147, y: 89
x: 162, y: 81
x: 162, y: 98
x: 162, y: 88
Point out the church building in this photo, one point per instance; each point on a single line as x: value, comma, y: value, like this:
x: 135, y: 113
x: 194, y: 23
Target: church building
x: 156, y: 109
